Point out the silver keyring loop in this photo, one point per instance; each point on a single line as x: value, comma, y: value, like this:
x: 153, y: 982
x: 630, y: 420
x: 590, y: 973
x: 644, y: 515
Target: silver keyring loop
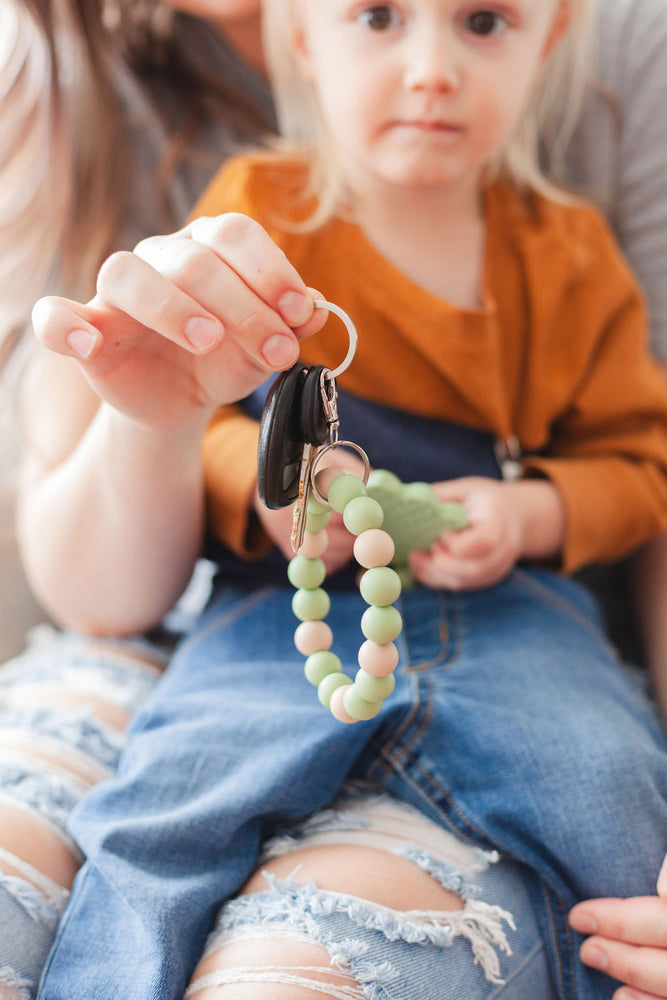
x: 332, y: 447
x: 351, y: 329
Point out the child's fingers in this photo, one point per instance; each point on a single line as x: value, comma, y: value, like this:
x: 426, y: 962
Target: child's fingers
x: 474, y: 542
x: 439, y: 569
x: 458, y: 490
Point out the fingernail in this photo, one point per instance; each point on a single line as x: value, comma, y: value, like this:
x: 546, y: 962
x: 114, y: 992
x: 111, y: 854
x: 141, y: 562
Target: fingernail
x: 593, y: 956
x: 202, y: 333
x: 293, y: 308
x: 583, y: 922
x: 82, y: 342
x: 280, y: 351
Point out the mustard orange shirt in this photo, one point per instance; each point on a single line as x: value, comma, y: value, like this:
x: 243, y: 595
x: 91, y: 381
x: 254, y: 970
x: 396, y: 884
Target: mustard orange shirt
x: 556, y: 356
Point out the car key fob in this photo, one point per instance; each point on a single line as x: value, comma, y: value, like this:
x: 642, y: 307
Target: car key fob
x: 293, y: 417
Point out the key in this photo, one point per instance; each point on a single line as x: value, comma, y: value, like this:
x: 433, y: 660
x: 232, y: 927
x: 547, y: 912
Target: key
x: 301, y: 505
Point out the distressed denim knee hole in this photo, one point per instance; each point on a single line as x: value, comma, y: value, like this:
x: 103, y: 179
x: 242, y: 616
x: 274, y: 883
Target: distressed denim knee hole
x: 273, y: 962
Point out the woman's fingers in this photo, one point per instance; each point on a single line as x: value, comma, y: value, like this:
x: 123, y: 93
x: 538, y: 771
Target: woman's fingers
x: 128, y: 283
x: 66, y: 327
x: 249, y: 251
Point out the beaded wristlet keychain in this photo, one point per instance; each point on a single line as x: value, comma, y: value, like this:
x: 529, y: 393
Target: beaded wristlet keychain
x: 299, y: 427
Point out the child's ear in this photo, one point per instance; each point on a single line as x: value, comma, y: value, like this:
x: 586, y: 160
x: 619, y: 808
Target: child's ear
x: 559, y: 26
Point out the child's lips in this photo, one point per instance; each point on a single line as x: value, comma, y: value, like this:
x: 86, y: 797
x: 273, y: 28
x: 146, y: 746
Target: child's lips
x: 436, y: 125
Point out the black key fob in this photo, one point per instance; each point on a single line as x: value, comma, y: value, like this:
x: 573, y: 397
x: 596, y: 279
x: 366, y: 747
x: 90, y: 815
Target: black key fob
x: 293, y: 416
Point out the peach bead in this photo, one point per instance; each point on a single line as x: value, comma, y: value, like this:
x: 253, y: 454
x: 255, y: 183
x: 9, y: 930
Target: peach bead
x: 378, y: 659
x: 374, y: 547
x: 337, y: 707
x: 325, y: 477
x: 314, y: 544
x: 313, y: 637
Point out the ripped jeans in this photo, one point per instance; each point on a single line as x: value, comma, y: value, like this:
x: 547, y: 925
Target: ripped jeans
x: 64, y: 704
x: 512, y: 724
x: 369, y: 950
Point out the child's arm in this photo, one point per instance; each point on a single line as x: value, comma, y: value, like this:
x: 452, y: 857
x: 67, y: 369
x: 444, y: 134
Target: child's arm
x: 506, y: 522
x: 111, y: 510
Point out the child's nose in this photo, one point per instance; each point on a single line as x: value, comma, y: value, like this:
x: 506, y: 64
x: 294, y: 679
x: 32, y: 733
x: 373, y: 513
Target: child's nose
x: 432, y: 65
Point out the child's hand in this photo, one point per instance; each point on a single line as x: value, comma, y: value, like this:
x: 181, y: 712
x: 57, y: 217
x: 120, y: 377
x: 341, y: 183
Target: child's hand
x: 278, y: 523
x: 186, y: 323
x: 507, y: 522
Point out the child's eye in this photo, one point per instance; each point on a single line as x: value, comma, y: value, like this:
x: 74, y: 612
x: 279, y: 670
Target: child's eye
x: 485, y: 23
x: 379, y: 17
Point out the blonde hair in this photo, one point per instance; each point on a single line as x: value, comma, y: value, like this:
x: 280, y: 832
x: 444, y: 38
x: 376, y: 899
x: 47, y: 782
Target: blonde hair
x: 549, y: 118
x: 64, y: 134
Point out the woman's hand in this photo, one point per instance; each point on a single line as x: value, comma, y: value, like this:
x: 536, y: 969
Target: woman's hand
x: 628, y: 941
x: 186, y: 323
x: 506, y: 522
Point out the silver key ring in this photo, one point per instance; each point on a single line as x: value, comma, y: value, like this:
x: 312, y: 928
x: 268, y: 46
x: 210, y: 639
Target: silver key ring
x: 352, y: 333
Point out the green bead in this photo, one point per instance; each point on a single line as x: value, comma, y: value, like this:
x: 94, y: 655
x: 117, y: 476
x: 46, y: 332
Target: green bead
x: 343, y: 489
x: 306, y: 573
x: 329, y: 684
x: 315, y: 506
x: 316, y: 521
x: 380, y: 586
x: 381, y: 624
x: 311, y: 605
x: 374, y: 688
x: 358, y: 707
x: 320, y: 665
x: 361, y: 514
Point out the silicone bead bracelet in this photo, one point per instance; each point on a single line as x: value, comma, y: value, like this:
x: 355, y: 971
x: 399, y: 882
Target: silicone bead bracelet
x: 380, y: 586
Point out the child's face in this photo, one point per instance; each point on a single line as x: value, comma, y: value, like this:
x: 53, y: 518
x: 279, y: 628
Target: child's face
x: 423, y: 92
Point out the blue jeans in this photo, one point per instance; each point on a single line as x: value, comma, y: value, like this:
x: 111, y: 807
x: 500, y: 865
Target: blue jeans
x: 512, y: 723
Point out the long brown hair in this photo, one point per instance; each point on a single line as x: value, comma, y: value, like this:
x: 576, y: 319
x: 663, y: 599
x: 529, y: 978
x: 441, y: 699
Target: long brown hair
x: 63, y: 133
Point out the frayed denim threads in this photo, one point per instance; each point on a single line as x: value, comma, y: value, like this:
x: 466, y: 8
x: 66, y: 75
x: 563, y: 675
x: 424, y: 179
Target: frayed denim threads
x: 53, y: 749
x: 380, y: 948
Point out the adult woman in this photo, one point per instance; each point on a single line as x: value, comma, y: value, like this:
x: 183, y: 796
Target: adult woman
x: 242, y: 25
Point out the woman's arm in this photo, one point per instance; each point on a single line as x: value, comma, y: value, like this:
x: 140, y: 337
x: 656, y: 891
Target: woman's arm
x: 111, y: 511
